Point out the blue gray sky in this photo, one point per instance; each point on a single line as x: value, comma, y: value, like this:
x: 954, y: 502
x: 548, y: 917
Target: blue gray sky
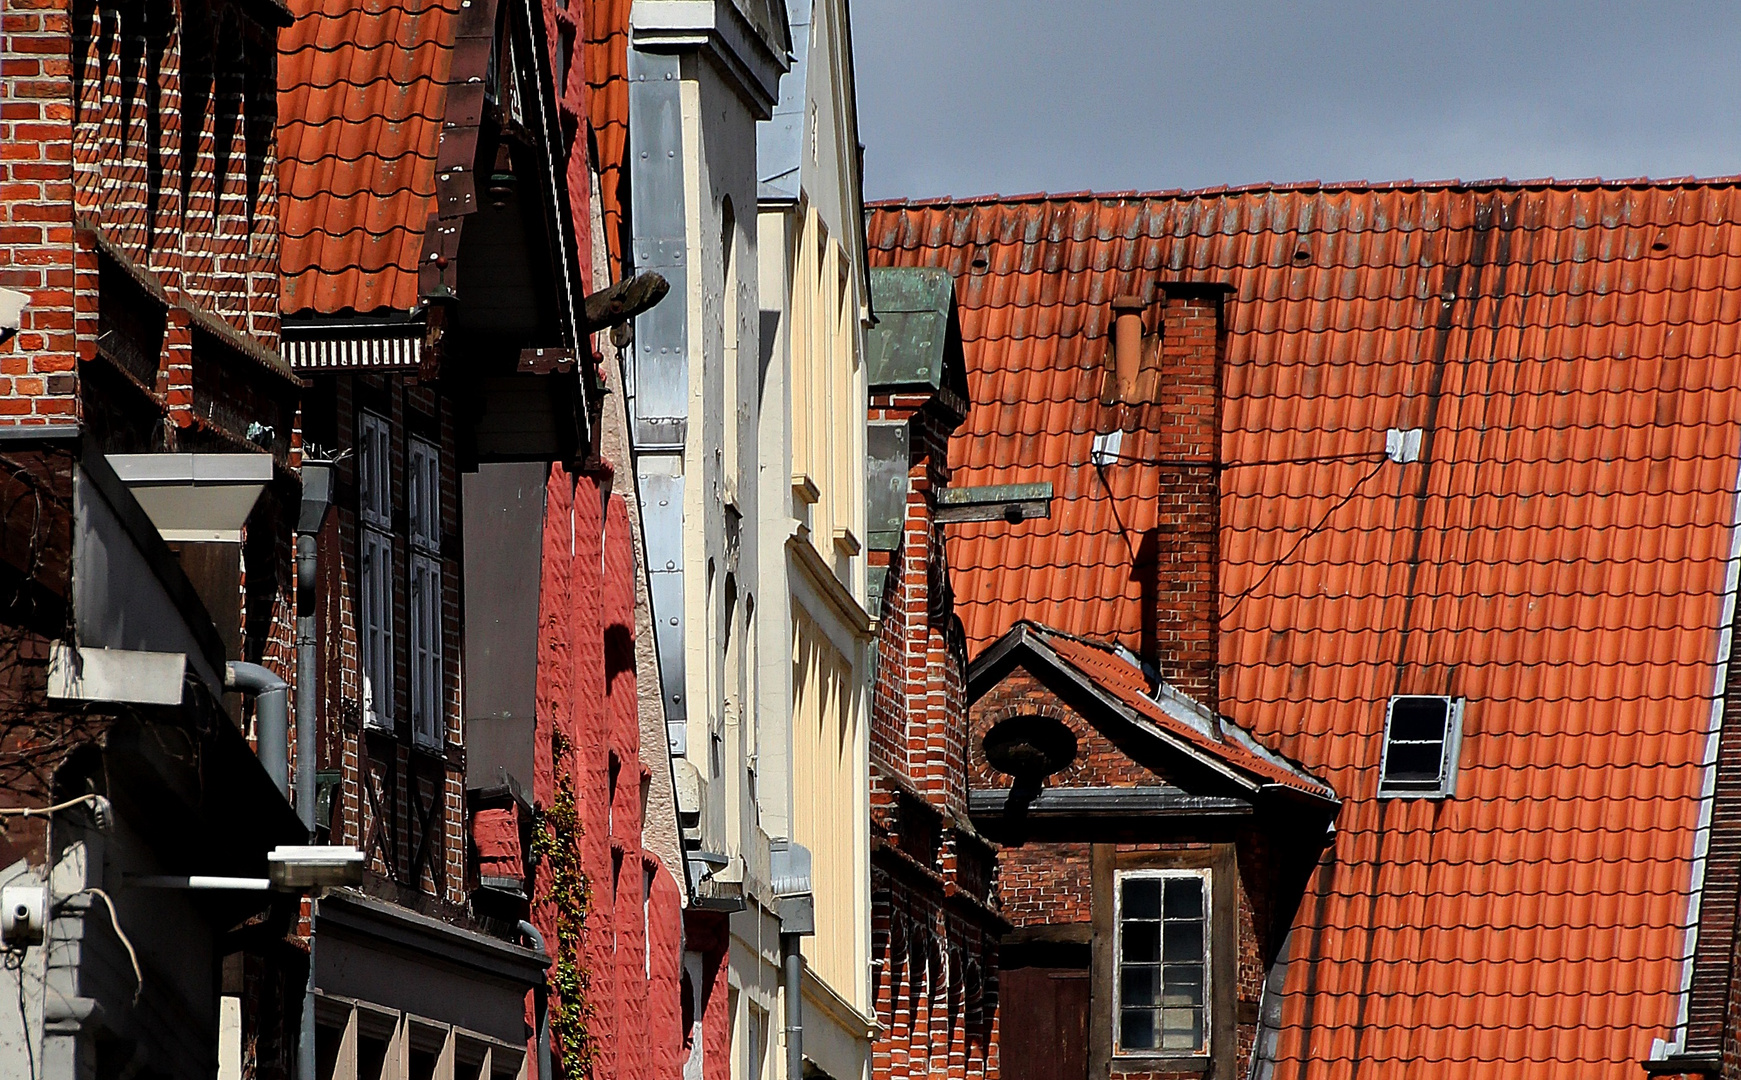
x: 967, y: 97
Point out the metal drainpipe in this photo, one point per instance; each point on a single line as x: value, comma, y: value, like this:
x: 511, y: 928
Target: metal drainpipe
x: 307, y: 561
x: 792, y: 976
x: 271, y: 716
x: 316, y: 497
x: 542, y: 994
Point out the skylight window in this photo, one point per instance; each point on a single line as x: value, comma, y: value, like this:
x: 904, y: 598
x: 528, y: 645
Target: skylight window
x: 1422, y: 739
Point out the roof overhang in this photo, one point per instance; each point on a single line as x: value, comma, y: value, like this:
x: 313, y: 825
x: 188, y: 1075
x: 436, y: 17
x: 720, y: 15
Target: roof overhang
x: 752, y: 56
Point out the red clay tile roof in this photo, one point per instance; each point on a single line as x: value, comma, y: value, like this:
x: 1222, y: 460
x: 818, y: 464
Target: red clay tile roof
x: 1174, y: 715
x: 1576, y: 349
x: 607, y: 82
x: 362, y: 89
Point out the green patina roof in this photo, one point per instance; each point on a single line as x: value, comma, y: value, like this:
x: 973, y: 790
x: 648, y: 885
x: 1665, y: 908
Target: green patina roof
x: 915, y: 341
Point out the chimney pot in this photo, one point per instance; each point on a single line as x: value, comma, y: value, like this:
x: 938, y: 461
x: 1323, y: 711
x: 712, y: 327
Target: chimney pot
x: 1127, y: 344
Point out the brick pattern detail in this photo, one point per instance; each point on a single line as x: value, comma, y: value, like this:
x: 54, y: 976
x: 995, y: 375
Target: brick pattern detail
x: 158, y: 136
x: 1098, y: 763
x: 935, y: 927
x: 587, y: 691
x: 1046, y: 884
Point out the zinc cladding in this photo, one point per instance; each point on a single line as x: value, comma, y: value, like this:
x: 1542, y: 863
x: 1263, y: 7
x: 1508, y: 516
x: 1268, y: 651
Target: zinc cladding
x: 1557, y: 557
x: 362, y: 89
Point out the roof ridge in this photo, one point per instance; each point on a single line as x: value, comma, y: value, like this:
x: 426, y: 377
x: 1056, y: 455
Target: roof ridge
x: 1353, y: 186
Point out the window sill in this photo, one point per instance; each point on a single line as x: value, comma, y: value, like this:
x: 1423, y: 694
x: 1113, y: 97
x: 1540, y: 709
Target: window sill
x: 1142, y: 1063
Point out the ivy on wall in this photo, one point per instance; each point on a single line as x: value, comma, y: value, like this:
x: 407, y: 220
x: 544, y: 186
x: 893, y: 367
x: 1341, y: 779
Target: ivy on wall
x: 556, y: 844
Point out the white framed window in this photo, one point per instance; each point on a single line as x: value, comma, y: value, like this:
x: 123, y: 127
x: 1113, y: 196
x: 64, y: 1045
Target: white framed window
x: 375, y: 562
x: 1161, y: 963
x: 423, y: 509
x: 1423, y: 737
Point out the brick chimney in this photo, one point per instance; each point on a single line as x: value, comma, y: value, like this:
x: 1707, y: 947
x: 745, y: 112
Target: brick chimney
x: 1179, y: 410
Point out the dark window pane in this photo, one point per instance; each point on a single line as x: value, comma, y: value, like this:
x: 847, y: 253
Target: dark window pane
x: 1139, y: 986
x: 1142, y: 898
x: 1136, y: 1030
x: 1185, y: 898
x: 1184, y: 941
x: 1142, y: 942
x: 1418, y: 719
x: 1182, y: 984
x: 1181, y: 1029
x: 1414, y: 761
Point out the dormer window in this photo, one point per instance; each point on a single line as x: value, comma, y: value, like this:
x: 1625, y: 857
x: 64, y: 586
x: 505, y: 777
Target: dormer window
x: 1423, y: 736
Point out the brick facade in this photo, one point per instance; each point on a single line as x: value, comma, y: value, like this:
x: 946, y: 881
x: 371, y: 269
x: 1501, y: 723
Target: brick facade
x: 934, y: 922
x: 1178, y: 401
x: 401, y: 804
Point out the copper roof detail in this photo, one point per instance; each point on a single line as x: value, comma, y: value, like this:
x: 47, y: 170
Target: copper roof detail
x: 1564, y: 363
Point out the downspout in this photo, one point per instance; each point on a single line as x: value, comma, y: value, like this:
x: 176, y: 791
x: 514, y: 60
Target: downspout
x: 795, y: 904
x: 316, y: 497
x: 271, y: 716
x: 792, y: 984
x: 542, y: 996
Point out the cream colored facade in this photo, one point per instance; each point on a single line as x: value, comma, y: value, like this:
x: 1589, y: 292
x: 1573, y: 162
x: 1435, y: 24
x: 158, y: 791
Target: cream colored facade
x: 747, y: 423
x: 816, y: 649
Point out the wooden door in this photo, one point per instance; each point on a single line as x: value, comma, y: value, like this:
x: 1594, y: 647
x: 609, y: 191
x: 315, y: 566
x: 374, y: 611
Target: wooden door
x: 1043, y: 1032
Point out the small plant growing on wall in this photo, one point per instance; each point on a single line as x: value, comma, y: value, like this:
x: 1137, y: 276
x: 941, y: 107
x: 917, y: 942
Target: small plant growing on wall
x: 556, y: 844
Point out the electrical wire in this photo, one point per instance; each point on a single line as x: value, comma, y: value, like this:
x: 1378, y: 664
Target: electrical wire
x: 126, y: 942
x: 1320, y: 459
x: 1307, y: 535
x: 45, y: 811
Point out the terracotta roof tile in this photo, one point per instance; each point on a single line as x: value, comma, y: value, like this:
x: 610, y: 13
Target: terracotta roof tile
x: 362, y: 92
x: 606, y: 41
x: 1574, y: 538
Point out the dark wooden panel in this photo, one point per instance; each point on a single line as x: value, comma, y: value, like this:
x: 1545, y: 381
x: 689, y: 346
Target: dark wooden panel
x: 1044, y: 1023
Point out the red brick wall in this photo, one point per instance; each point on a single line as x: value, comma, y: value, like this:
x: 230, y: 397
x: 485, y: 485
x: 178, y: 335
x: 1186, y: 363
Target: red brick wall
x: 935, y: 927
x: 1098, y: 762
x: 587, y: 693
x: 1181, y: 554
x: 37, y: 252
x: 935, y: 983
x: 1041, y: 884
x: 918, y: 730
x: 156, y: 135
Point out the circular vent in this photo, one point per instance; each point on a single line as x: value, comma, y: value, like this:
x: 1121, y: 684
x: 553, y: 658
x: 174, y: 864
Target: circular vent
x: 1029, y: 747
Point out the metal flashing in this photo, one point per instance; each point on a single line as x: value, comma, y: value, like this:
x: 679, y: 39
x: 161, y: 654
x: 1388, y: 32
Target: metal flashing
x: 1152, y: 801
x: 747, y: 38
x: 196, y: 498
x: 995, y: 502
x: 887, y: 462
x: 915, y: 342
x: 658, y: 360
x: 780, y: 138
x: 141, y: 678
